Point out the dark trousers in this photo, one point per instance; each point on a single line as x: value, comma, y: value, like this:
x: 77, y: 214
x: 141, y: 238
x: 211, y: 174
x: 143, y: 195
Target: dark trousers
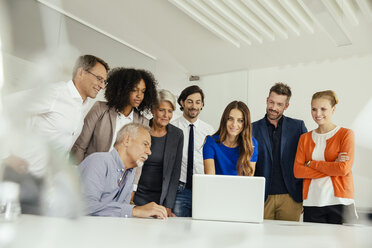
x: 328, y: 214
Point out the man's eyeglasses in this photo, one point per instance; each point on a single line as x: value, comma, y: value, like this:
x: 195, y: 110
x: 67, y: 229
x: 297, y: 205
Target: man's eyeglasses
x: 98, y: 78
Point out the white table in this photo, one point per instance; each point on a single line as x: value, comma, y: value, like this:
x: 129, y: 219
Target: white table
x: 35, y: 231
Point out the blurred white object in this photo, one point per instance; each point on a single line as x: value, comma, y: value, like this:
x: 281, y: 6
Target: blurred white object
x: 10, y: 208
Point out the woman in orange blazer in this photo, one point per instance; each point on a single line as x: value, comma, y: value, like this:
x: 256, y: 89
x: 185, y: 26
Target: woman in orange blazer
x: 324, y: 159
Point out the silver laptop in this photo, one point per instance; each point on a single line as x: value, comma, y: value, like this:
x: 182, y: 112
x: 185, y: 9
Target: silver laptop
x: 228, y: 198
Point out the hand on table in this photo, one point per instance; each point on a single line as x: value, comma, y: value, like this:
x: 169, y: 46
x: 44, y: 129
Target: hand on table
x: 170, y: 213
x: 150, y: 210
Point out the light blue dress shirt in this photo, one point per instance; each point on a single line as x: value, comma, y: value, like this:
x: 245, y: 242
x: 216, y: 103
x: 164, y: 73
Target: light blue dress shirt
x: 101, y: 173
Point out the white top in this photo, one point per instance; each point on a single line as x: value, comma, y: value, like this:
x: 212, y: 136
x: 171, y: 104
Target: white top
x: 321, y: 192
x: 121, y: 120
x: 201, y: 130
x: 55, y: 114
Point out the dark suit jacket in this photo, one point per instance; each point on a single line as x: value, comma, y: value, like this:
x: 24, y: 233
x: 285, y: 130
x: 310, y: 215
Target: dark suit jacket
x: 98, y: 130
x: 291, y: 132
x: 172, y: 166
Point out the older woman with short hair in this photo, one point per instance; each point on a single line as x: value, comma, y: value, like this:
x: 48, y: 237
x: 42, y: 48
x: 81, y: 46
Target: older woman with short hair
x: 160, y: 174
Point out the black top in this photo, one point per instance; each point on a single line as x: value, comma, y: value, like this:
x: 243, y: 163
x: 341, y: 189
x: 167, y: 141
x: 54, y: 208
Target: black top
x: 277, y: 184
x: 150, y: 183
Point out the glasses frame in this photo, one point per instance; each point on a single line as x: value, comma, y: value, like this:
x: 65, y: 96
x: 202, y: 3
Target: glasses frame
x: 100, y: 79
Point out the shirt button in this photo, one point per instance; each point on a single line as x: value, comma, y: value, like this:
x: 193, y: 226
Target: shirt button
x: 73, y: 133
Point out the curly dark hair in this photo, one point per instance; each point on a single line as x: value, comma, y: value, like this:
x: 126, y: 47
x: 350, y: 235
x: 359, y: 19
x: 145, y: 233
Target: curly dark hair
x: 121, y: 81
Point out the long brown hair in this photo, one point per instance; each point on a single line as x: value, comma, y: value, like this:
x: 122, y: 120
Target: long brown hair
x: 244, y: 139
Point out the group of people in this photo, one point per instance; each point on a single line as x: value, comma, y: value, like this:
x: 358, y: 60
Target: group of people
x: 132, y: 166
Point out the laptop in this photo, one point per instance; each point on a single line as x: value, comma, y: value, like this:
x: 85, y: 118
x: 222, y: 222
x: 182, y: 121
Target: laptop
x: 228, y: 198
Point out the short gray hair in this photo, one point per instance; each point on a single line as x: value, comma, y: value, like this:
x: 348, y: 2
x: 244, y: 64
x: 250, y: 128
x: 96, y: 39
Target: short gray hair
x: 166, y: 95
x: 87, y: 62
x: 131, y: 129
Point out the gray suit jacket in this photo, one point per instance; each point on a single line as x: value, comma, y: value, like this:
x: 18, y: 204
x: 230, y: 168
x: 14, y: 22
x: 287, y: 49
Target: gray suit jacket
x: 172, y: 166
x: 98, y: 130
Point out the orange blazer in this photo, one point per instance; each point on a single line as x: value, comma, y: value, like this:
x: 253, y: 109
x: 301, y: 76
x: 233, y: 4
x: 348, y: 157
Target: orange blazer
x: 340, y: 172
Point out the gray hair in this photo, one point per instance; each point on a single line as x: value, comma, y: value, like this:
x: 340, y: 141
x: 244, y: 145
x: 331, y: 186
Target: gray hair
x: 87, y: 62
x: 166, y: 95
x: 131, y: 129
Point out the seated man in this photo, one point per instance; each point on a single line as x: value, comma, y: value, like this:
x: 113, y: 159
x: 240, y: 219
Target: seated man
x: 108, y: 177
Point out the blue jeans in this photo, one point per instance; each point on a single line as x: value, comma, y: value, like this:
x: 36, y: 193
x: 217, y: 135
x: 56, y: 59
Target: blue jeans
x: 183, y: 204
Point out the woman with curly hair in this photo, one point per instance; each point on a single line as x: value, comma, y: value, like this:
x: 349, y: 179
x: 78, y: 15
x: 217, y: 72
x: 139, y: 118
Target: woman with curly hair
x: 232, y: 150
x: 129, y: 92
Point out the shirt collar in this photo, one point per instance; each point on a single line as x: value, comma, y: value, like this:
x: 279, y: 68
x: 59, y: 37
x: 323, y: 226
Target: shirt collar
x: 130, y: 116
x: 118, y: 162
x: 279, y: 122
x: 73, y: 91
x: 187, y: 123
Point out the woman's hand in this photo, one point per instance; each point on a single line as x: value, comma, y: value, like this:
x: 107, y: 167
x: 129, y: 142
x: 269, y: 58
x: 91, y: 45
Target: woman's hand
x: 342, y: 157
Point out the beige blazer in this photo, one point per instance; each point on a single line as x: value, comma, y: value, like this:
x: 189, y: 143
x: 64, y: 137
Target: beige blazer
x: 98, y: 130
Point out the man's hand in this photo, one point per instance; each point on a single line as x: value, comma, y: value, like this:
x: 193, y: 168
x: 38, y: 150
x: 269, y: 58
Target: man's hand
x: 150, y: 210
x: 16, y: 163
x: 170, y: 213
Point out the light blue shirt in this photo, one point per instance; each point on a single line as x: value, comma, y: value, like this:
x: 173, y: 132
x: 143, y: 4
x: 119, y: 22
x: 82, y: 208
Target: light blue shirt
x: 100, y: 174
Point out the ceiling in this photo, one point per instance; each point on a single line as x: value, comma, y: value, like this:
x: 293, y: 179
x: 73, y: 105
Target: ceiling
x: 263, y: 33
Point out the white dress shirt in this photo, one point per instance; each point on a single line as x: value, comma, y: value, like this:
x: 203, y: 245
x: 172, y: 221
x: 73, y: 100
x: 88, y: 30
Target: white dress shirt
x: 55, y: 115
x: 201, y: 130
x: 121, y: 120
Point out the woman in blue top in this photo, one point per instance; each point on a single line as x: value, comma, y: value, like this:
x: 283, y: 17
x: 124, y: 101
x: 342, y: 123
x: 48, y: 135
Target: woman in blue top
x: 232, y: 150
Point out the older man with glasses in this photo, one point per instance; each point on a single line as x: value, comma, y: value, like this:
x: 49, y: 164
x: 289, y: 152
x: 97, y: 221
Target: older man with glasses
x: 56, y: 111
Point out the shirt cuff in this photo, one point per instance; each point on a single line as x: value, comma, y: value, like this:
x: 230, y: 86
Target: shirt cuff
x: 127, y: 210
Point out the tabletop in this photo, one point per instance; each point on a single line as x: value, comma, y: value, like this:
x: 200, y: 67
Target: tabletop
x: 39, y: 231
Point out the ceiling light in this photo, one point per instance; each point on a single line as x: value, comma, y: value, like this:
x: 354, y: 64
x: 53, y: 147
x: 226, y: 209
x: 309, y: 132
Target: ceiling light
x: 349, y: 11
x: 280, y: 13
x: 230, y: 15
x: 206, y: 10
x: 197, y: 16
x: 250, y: 17
x: 326, y: 15
x: 366, y: 7
x: 299, y: 14
x: 266, y: 17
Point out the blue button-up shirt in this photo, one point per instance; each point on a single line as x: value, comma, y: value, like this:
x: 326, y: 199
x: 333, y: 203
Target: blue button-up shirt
x: 107, y: 185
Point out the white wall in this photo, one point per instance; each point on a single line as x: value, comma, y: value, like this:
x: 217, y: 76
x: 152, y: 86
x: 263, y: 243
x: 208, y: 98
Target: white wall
x: 43, y: 45
x: 219, y: 91
x: 350, y: 78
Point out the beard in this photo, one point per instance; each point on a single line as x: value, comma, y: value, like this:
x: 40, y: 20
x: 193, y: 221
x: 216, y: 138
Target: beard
x: 139, y: 163
x: 192, y: 115
x: 273, y: 115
